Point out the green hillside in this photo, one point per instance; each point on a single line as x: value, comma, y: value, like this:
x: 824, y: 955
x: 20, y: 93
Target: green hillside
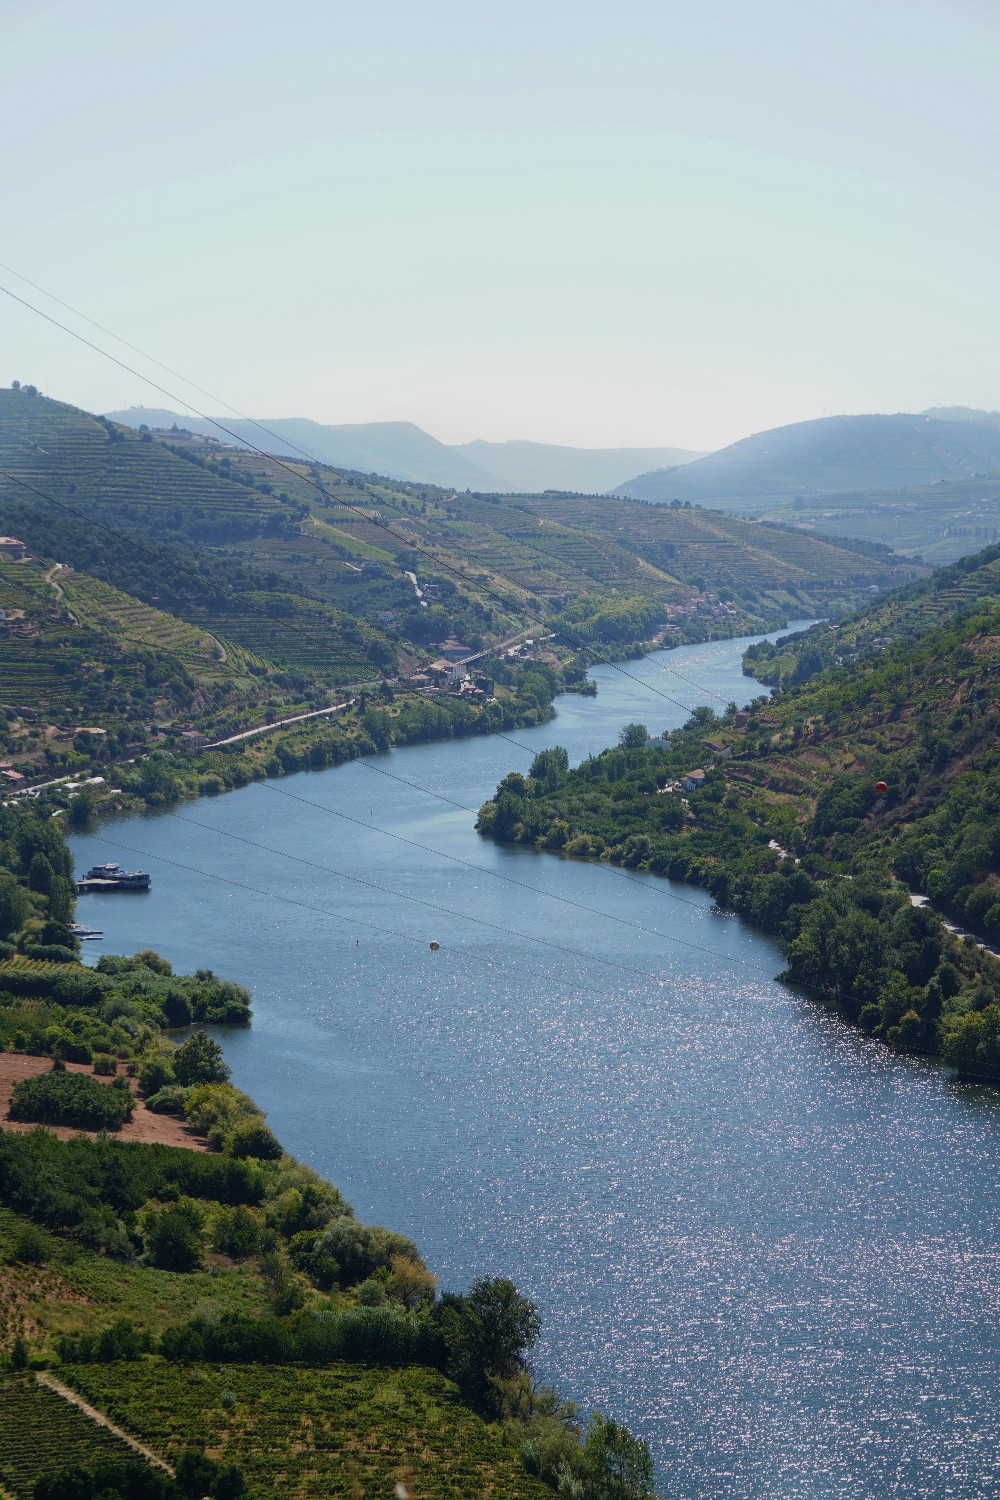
x: 230, y: 504
x: 179, y: 584
x: 828, y: 456
x: 164, y: 1259
x: 791, y: 831
x: 937, y: 522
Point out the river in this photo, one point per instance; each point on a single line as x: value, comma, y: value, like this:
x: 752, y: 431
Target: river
x: 754, y: 1234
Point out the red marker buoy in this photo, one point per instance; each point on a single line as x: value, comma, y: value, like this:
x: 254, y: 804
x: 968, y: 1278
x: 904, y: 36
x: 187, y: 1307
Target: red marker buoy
x: 881, y: 787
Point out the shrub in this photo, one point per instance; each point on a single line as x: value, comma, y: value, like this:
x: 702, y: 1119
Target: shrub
x: 173, y: 1239
x: 156, y: 1073
x: 31, y: 1246
x: 240, y: 1232
x: 105, y: 1065
x: 53, y: 953
x: 73, y: 1099
x: 253, y: 1138
x: 168, y: 1101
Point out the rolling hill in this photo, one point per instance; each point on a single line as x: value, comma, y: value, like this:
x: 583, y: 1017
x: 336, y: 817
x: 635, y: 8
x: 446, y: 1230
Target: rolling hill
x: 936, y: 522
x: 829, y: 456
x: 528, y: 468
x: 401, y: 450
x: 206, y: 590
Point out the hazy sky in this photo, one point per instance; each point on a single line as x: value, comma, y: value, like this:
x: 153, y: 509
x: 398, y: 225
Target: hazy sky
x: 594, y: 223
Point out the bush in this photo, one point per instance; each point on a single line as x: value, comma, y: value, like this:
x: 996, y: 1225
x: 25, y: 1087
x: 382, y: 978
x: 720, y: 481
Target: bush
x: 240, y: 1232
x: 253, y: 1138
x: 53, y: 953
x: 168, y: 1101
x: 156, y: 1073
x: 31, y: 1246
x: 73, y: 1099
x: 173, y: 1239
x: 105, y: 1065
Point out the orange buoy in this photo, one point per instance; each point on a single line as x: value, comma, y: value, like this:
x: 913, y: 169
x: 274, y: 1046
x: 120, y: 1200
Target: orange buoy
x: 881, y: 787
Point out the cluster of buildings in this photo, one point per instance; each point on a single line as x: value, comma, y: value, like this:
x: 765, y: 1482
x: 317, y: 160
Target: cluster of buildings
x: 691, y: 781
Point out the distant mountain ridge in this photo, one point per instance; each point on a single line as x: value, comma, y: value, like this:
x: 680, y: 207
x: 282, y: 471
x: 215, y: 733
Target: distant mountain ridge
x: 830, y: 455
x: 526, y: 467
x: 401, y: 450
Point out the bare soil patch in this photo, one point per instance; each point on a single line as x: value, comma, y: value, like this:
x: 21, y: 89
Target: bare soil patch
x: 144, y: 1125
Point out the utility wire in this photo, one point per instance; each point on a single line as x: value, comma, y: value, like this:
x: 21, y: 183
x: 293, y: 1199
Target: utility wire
x: 336, y: 500
x: 614, y: 870
x: 448, y: 911
x: 669, y: 894
x: 483, y: 870
x: 124, y: 536
x: 380, y: 499
x: 260, y: 426
x: 241, y: 599
x: 466, y: 954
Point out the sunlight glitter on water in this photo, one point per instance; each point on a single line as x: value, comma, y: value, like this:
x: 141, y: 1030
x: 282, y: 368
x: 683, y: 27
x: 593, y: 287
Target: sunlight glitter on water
x: 759, y: 1237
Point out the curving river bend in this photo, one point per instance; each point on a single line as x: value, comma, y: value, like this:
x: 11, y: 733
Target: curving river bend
x: 757, y: 1236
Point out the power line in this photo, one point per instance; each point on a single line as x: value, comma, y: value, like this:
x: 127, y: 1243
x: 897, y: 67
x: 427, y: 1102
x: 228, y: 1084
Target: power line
x: 339, y: 500
x: 614, y: 870
x: 431, y: 905
x: 200, y: 577
x: 242, y: 415
x: 125, y: 537
x: 467, y: 955
x: 277, y: 620
x: 493, y: 874
x: 399, y: 536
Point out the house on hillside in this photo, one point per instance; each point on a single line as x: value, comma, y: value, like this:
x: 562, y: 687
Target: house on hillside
x: 693, y: 781
x: 453, y: 648
x: 11, y: 547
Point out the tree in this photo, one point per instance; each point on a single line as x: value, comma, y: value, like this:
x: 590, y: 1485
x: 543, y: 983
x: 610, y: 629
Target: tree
x: 173, y: 1240
x: 548, y: 766
x: 14, y: 904
x: 200, y: 1060
x: 254, y: 1138
x: 633, y: 737
x: 619, y: 1466
x: 40, y: 874
x: 487, y: 1335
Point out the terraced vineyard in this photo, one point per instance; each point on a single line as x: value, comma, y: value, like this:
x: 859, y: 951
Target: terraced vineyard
x: 178, y: 583
x: 346, y: 1430
x: 940, y: 522
x: 40, y: 1431
x: 98, y: 603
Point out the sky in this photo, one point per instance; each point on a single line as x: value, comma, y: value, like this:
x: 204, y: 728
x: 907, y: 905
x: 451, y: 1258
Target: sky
x: 591, y: 223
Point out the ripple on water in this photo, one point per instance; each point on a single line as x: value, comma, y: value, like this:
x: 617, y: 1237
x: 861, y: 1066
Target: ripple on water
x: 765, y: 1241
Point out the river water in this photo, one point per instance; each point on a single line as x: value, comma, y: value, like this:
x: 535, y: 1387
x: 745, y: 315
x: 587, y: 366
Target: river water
x: 761, y: 1239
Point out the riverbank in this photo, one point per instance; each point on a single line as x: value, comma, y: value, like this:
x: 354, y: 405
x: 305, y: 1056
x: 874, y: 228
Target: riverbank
x: 750, y: 1192
x: 369, y: 723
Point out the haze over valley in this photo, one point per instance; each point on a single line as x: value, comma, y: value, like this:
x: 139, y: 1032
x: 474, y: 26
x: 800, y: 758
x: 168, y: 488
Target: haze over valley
x: 500, y: 861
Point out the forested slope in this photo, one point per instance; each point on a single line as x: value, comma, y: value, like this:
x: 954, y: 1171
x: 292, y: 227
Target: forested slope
x: 217, y: 1300
x: 916, y: 710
